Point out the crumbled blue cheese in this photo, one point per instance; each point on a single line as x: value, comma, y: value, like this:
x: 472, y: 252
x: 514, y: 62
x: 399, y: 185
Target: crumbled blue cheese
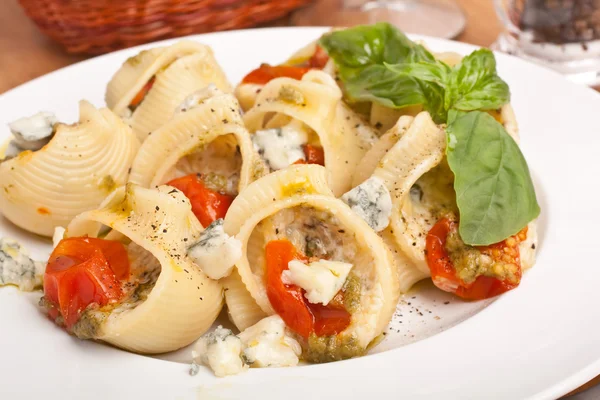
x: 280, y: 147
x: 216, y: 252
x: 32, y: 133
x: 268, y: 344
x: 372, y: 201
x: 17, y: 268
x: 198, y: 97
x: 12, y: 150
x: 265, y: 344
x: 321, y: 279
x: 221, y: 351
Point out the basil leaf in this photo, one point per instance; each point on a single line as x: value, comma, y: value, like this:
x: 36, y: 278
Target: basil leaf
x: 434, y: 72
x: 494, y: 191
x: 434, y: 101
x: 377, y: 83
x: 475, y: 85
x: 380, y: 84
x: 365, y: 45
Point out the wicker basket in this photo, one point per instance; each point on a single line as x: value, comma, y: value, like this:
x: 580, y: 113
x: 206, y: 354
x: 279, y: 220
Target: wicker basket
x: 100, y: 26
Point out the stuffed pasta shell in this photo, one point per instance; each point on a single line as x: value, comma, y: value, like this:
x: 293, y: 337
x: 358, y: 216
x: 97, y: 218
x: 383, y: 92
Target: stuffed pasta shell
x: 53, y: 172
x: 307, y: 258
x: 309, y: 57
x: 149, y: 87
x: 422, y: 230
x: 306, y: 121
x: 136, y: 288
x: 204, y: 150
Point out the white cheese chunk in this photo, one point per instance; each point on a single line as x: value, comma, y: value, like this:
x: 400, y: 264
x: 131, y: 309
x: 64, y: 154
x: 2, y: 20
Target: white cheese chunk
x: 268, y: 344
x: 32, y: 133
x: 198, y: 97
x: 372, y: 201
x: 17, y: 268
x: 321, y: 279
x: 59, y: 234
x: 280, y: 147
x: 12, y: 150
x: 221, y: 351
x: 265, y: 344
x: 216, y: 252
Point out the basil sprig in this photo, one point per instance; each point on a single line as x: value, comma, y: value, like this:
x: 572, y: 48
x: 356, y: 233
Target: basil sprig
x: 495, y: 194
x: 493, y: 187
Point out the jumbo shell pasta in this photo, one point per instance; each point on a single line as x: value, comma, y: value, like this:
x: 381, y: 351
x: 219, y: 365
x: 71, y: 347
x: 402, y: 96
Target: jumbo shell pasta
x: 183, y: 302
x: 73, y: 173
x: 413, y: 152
x: 302, y: 192
x: 177, y: 70
x: 247, y: 93
x: 316, y: 102
x: 209, y: 136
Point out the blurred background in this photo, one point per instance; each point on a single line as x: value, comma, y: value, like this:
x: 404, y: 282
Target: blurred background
x: 39, y: 36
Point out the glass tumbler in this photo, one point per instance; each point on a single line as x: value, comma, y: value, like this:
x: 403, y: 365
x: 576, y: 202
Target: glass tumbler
x: 561, y: 34
x: 439, y: 18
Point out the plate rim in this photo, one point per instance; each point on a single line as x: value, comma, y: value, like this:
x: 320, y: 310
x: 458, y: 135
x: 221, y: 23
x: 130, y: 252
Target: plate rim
x: 563, y: 386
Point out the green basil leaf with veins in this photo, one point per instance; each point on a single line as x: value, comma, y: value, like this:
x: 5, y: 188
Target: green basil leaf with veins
x: 494, y: 191
x: 365, y: 45
x: 379, y: 84
x: 475, y: 85
x: 434, y: 72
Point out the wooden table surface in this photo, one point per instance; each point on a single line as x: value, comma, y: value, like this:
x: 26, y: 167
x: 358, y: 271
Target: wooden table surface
x: 27, y: 54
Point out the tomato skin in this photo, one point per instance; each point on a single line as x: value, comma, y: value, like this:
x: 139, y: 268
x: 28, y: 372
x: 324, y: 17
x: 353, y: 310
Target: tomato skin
x: 313, y: 155
x: 329, y: 319
x: 319, y: 59
x: 266, y: 73
x: 80, y: 272
x: 289, y: 302
x: 139, y: 97
x: 207, y: 205
x: 443, y: 272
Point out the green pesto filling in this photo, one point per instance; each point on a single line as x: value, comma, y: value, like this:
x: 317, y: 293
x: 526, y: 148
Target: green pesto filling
x: 322, y: 349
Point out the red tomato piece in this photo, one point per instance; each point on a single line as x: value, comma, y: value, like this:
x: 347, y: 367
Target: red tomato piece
x: 319, y: 59
x: 139, y: 97
x: 289, y: 302
x: 208, y: 205
x: 314, y: 154
x: 266, y: 72
x: 82, y: 271
x: 444, y: 274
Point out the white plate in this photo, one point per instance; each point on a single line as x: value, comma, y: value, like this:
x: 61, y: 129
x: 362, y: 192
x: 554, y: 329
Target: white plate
x: 538, y: 341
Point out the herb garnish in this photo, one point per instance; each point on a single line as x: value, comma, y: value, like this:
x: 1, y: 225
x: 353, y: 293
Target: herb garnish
x: 495, y: 194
